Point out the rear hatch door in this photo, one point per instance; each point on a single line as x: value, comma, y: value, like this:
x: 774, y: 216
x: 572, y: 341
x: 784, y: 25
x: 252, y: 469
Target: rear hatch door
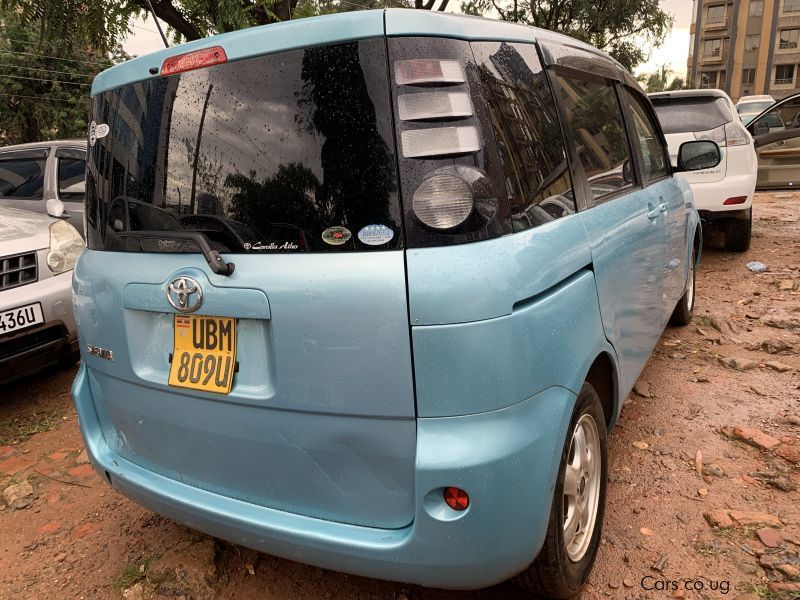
x: 285, y: 163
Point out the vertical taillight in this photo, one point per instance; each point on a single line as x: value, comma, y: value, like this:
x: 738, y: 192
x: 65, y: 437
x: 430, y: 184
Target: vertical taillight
x: 194, y: 60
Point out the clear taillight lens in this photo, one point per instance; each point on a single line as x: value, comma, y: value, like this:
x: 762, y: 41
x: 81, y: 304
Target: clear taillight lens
x: 443, y: 201
x: 440, y: 142
x: 736, y: 135
x: 66, y: 246
x: 426, y: 106
x: 715, y: 135
x: 426, y: 71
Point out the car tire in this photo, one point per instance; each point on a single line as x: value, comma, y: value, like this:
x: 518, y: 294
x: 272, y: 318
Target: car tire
x: 684, y: 310
x: 738, y: 233
x: 562, y: 567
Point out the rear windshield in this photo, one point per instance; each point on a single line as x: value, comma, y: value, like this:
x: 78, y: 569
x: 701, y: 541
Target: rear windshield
x: 291, y: 152
x: 754, y: 107
x: 684, y: 115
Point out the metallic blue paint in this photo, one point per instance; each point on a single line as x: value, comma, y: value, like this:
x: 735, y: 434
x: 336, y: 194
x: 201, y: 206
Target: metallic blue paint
x: 324, y: 452
x: 484, y: 454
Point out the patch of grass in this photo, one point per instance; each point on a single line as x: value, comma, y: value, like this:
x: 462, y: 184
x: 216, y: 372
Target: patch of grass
x: 134, y: 572
x: 707, y: 548
x: 764, y: 592
x: 707, y: 321
x: 19, y: 429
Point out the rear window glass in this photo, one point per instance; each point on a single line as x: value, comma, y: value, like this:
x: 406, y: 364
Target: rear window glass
x: 22, y: 176
x: 685, y: 115
x: 754, y: 107
x: 291, y: 152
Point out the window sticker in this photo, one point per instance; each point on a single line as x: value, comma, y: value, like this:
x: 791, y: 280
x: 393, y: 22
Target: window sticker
x: 336, y: 236
x: 96, y: 132
x: 375, y: 235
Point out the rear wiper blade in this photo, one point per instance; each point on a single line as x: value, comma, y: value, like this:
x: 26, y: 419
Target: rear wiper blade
x: 213, y: 258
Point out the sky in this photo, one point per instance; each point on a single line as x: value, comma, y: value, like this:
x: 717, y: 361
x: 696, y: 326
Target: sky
x: 673, y: 53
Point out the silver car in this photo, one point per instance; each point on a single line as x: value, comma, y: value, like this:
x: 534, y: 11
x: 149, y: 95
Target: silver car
x: 37, y: 325
x: 32, y: 174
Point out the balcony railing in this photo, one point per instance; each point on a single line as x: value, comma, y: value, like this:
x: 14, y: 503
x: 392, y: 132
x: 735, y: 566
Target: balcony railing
x: 716, y: 22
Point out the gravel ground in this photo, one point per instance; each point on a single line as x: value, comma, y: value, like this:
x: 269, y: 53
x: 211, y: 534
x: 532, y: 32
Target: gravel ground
x: 711, y: 434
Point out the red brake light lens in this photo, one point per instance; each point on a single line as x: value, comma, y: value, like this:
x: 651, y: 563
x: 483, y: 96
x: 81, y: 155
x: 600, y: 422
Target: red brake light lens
x: 456, y: 498
x: 194, y: 60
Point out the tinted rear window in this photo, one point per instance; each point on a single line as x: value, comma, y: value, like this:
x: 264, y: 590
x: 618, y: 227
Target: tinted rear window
x: 262, y: 155
x: 22, y: 175
x: 684, y: 115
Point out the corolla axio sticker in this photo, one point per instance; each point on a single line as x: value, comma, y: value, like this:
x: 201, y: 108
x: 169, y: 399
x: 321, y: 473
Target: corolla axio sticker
x: 270, y: 246
x: 96, y: 132
x: 336, y: 236
x: 375, y: 235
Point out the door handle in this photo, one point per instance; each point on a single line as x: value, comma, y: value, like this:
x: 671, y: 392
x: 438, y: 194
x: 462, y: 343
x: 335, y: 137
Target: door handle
x: 652, y: 212
x: 780, y: 143
x: 662, y: 207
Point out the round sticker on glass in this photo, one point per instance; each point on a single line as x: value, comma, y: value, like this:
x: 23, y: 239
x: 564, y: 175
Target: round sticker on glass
x: 336, y: 236
x: 376, y: 235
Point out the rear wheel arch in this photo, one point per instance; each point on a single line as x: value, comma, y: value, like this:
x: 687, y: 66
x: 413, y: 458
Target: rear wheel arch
x: 603, y: 377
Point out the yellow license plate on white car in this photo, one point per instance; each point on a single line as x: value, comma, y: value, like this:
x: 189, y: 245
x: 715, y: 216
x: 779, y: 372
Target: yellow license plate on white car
x: 204, y: 355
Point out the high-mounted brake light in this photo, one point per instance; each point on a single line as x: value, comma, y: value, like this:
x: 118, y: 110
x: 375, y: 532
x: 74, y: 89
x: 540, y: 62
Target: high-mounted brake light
x: 426, y: 71
x: 194, y: 60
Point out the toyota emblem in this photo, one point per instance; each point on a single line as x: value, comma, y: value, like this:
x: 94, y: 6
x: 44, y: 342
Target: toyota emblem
x: 184, y: 294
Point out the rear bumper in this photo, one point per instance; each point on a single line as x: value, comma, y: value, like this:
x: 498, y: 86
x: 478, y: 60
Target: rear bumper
x: 55, y: 340
x: 505, y: 459
x: 710, y: 197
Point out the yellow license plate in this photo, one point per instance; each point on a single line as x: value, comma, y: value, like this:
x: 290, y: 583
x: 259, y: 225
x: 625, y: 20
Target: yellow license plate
x: 204, y: 357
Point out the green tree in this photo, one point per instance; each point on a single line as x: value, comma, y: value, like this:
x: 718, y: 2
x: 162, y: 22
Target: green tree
x: 660, y: 81
x: 623, y: 28
x: 45, y: 85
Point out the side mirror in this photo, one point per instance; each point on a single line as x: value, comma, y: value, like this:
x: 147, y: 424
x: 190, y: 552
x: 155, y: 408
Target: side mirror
x: 627, y: 172
x: 698, y: 155
x: 118, y: 225
x: 78, y: 187
x: 761, y: 128
x: 55, y: 208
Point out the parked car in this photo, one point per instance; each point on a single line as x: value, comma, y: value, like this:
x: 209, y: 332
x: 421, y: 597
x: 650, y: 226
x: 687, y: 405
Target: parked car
x: 37, y: 325
x: 777, y: 141
x: 272, y: 398
x: 32, y: 174
x: 723, y: 195
x: 749, y: 107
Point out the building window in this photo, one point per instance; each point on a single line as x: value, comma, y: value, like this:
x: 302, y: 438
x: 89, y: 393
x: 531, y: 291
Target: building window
x: 708, y: 80
x: 751, y: 42
x: 716, y: 14
x: 748, y: 76
x: 784, y: 74
x: 756, y: 8
x: 712, y: 47
x: 791, y: 6
x: 789, y: 39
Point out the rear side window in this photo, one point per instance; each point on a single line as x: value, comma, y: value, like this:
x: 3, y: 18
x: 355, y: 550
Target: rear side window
x: 289, y: 152
x: 595, y: 120
x: 654, y: 153
x: 530, y: 145
x: 71, y: 174
x: 687, y: 115
x: 22, y: 175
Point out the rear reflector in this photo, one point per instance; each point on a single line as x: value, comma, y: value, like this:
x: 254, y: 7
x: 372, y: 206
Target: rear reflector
x: 456, y: 498
x: 194, y: 60
x: 425, y: 71
x: 735, y: 200
x: 434, y: 105
x: 440, y: 141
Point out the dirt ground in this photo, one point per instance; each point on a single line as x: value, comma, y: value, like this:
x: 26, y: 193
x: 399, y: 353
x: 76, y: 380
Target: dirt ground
x: 699, y: 442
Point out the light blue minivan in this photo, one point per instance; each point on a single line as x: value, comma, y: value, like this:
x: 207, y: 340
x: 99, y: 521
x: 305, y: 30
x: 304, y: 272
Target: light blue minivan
x: 367, y: 291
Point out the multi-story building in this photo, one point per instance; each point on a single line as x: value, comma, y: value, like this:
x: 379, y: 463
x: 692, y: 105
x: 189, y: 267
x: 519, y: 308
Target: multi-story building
x: 745, y: 47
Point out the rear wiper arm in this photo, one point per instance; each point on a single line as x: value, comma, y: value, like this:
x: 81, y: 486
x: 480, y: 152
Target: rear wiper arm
x: 213, y: 258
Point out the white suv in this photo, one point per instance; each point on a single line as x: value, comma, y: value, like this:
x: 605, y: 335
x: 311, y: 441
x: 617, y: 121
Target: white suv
x: 723, y: 194
x: 749, y: 107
